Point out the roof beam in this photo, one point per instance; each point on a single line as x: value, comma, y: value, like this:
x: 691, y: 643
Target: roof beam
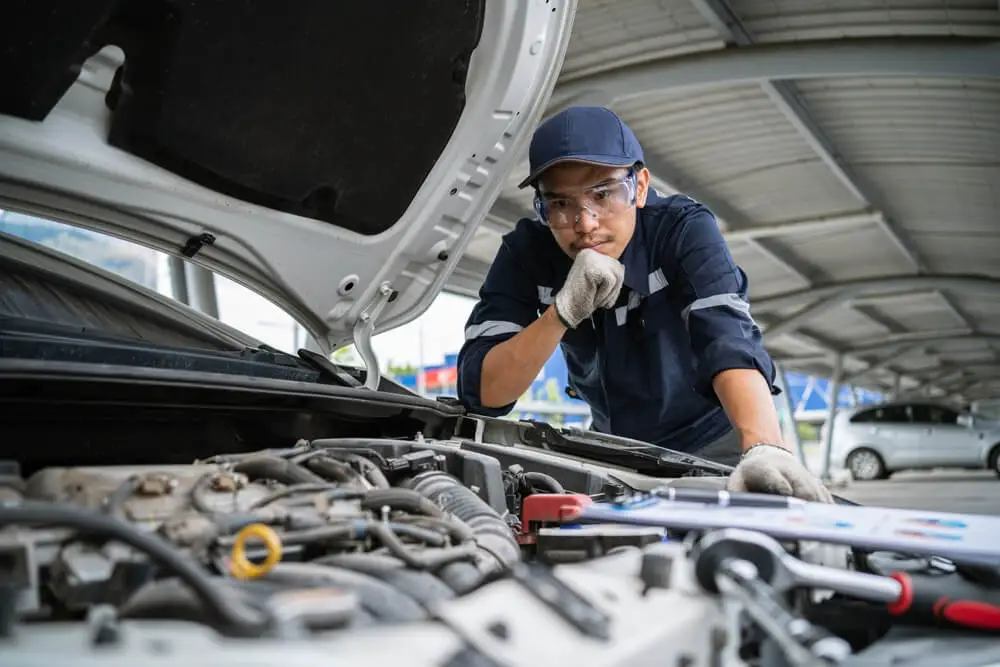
x: 789, y: 101
x: 957, y: 309
x: 857, y: 57
x: 891, y: 342
x: 885, y: 362
x: 883, y: 286
x: 806, y: 226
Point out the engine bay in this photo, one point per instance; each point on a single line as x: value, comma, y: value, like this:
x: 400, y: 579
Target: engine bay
x: 332, y: 541
x: 147, y: 514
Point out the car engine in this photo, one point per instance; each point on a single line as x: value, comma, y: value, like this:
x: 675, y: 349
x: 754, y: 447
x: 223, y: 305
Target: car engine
x: 325, y: 539
x: 379, y: 550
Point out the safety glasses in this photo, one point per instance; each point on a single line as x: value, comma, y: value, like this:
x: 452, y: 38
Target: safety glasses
x: 563, y: 210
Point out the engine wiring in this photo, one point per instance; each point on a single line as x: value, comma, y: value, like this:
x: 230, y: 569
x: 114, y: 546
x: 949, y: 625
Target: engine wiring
x: 234, y: 618
x: 283, y: 516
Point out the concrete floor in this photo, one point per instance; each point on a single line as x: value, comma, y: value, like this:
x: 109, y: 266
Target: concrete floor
x: 944, y: 490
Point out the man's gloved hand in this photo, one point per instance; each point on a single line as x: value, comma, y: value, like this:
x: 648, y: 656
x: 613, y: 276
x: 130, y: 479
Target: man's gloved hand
x: 773, y: 469
x: 594, y: 281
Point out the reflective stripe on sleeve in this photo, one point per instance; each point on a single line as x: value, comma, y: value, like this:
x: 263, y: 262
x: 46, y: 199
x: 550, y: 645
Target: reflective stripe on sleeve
x: 491, y: 328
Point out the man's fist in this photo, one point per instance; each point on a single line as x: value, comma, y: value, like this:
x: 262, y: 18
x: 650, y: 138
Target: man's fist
x: 594, y: 281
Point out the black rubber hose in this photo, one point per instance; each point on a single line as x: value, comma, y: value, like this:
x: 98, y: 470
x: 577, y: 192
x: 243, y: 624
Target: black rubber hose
x: 459, y: 531
x: 497, y: 549
x: 231, y: 618
x: 280, y: 470
x: 539, y: 480
x: 169, y: 598
x: 371, y: 471
x: 429, y: 559
x: 423, y: 587
x: 332, y: 469
x: 408, y: 500
x: 331, y: 491
x: 376, y: 597
x: 429, y: 537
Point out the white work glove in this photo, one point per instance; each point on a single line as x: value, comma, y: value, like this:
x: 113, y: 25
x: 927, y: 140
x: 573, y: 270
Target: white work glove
x: 773, y: 469
x: 594, y: 281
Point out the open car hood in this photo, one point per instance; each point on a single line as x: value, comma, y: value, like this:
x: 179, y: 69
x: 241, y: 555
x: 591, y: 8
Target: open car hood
x: 333, y: 157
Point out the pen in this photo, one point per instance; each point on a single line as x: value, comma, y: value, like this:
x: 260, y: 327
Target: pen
x: 726, y: 498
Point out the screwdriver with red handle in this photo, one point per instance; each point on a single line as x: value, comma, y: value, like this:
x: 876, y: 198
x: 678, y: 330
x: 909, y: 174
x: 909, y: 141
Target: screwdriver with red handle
x: 947, y: 600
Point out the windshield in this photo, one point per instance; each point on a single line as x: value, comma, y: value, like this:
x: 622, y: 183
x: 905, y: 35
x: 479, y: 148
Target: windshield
x: 229, y: 302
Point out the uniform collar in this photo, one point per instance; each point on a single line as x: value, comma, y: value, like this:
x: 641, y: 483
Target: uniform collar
x: 635, y: 260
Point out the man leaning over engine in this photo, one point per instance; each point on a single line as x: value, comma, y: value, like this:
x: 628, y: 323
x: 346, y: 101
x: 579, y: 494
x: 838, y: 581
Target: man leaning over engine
x: 646, y: 301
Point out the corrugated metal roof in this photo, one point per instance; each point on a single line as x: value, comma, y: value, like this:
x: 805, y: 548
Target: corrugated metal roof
x: 786, y: 20
x: 611, y: 33
x: 903, y: 170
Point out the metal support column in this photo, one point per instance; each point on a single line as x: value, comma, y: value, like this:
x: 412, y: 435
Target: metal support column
x: 178, y: 280
x: 201, y: 282
x: 835, y: 381
x: 791, y: 427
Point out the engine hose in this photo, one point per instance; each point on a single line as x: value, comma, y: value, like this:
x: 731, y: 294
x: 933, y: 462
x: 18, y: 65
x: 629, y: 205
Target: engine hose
x: 370, y: 471
x: 280, y: 470
x: 423, y: 587
x: 539, y: 480
x: 376, y: 597
x: 331, y: 491
x: 170, y: 599
x: 428, y: 559
x: 498, y: 551
x: 232, y: 618
x: 458, y: 530
x: 408, y: 500
x: 331, y: 468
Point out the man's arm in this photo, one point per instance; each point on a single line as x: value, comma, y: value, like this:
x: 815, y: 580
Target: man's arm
x: 510, y: 367
x: 746, y: 398
x: 505, y: 339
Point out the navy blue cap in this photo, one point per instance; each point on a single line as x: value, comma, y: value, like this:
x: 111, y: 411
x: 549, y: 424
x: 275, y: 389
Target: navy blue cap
x: 594, y: 135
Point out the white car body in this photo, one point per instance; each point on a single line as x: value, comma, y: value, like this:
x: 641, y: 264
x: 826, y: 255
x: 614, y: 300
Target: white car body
x: 874, y: 441
x: 329, y: 279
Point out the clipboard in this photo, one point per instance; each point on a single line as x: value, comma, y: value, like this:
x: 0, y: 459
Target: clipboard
x: 964, y: 538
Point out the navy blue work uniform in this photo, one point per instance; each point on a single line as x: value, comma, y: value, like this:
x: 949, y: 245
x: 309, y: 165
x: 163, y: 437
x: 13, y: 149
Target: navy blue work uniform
x: 645, y: 367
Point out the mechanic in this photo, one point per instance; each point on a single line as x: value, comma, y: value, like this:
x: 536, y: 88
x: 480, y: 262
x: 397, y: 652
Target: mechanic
x: 646, y: 301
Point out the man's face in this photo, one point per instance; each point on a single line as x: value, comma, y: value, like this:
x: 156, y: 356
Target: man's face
x: 588, y: 206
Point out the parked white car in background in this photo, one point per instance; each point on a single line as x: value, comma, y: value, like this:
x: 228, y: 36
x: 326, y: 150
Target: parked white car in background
x: 875, y: 441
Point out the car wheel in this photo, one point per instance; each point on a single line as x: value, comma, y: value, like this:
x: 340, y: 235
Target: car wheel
x: 994, y: 460
x: 865, y: 465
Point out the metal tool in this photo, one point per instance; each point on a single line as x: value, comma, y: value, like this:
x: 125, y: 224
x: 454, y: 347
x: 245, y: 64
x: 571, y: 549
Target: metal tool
x: 802, y: 642
x: 955, y: 599
x: 756, y: 570
x: 783, y: 572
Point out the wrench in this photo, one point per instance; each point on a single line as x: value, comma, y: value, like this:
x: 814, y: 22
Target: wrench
x: 802, y: 642
x: 783, y: 571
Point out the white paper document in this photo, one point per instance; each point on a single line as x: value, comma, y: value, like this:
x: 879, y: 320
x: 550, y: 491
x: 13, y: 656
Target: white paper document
x: 965, y: 537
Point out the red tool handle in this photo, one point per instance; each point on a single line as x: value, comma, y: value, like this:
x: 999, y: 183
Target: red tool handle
x: 949, y: 600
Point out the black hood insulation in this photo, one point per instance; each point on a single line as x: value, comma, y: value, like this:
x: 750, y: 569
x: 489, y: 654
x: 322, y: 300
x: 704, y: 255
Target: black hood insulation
x: 331, y: 110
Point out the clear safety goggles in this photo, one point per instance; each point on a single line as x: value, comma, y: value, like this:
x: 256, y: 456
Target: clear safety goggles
x: 600, y: 201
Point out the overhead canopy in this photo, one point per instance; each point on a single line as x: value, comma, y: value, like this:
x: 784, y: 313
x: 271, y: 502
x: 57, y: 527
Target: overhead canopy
x: 851, y: 152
